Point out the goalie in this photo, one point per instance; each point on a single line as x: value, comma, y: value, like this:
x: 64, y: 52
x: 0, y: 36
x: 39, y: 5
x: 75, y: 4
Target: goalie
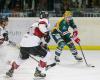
x: 61, y: 35
x: 31, y: 45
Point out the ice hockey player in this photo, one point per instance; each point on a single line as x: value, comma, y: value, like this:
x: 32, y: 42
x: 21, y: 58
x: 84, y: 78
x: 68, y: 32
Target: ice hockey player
x: 31, y: 44
x: 62, y: 36
x: 3, y: 31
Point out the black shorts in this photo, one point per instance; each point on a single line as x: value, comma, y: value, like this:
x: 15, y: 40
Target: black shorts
x: 36, y: 51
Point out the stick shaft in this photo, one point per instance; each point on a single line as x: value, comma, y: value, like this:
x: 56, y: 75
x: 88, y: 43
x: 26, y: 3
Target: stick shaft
x: 83, y: 54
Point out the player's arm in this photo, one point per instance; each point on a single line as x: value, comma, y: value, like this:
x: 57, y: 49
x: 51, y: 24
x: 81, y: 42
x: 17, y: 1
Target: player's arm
x: 43, y: 28
x: 45, y: 46
x: 75, y: 32
x: 1, y: 37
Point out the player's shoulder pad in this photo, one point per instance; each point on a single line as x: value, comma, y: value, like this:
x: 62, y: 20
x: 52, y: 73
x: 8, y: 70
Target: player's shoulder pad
x: 43, y: 21
x: 60, y: 19
x: 35, y: 24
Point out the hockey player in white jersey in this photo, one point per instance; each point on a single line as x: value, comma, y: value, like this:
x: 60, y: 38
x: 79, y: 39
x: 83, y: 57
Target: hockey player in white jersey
x: 3, y: 36
x: 3, y: 32
x: 6, y: 50
x: 31, y: 45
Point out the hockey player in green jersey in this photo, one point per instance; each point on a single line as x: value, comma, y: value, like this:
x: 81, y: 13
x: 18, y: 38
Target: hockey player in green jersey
x: 62, y: 36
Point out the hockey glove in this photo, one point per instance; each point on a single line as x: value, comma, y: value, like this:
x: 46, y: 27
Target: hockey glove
x: 45, y: 46
x: 77, y: 40
x: 5, y: 35
x: 75, y: 32
x: 47, y: 37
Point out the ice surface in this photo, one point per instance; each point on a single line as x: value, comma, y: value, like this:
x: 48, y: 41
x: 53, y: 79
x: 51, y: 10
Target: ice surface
x: 68, y: 69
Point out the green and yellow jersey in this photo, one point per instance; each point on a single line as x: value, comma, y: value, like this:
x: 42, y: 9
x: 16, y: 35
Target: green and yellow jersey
x: 63, y: 26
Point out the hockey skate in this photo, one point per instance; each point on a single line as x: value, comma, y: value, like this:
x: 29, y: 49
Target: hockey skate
x: 9, y: 73
x: 57, y: 59
x: 78, y: 58
x: 38, y: 74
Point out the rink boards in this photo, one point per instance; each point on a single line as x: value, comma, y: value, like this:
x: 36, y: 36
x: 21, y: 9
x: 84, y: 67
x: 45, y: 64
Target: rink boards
x: 89, y: 29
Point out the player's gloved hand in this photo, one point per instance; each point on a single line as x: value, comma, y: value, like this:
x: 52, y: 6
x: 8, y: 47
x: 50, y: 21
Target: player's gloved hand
x: 45, y: 46
x: 75, y: 32
x: 76, y: 39
x: 47, y: 37
x: 5, y: 35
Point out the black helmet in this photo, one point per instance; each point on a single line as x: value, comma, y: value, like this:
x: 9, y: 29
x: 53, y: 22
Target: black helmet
x: 44, y: 14
x: 3, y: 18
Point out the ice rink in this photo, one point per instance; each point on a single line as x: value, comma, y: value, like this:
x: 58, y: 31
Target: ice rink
x: 68, y: 69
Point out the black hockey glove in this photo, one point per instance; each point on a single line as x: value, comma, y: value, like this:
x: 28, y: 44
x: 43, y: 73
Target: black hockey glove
x: 5, y: 35
x: 45, y: 46
x: 47, y: 37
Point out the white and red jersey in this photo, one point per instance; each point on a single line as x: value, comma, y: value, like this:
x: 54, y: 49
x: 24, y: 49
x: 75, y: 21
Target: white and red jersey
x: 30, y: 41
x: 44, y: 20
x: 2, y: 31
x: 41, y: 27
x: 2, y: 41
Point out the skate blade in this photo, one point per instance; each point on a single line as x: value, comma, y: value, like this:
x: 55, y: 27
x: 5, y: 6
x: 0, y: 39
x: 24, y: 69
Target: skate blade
x: 8, y: 78
x: 5, y: 77
x: 57, y: 62
x: 80, y: 61
x: 39, y: 78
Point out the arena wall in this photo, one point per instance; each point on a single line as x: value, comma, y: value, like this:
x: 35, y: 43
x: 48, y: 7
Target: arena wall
x: 89, y: 30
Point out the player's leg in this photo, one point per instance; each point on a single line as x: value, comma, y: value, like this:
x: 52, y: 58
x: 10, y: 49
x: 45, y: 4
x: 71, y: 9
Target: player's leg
x: 40, y: 69
x: 39, y: 51
x: 72, y: 47
x: 14, y: 66
x: 61, y: 43
x: 16, y: 63
x: 59, y: 51
x: 74, y: 51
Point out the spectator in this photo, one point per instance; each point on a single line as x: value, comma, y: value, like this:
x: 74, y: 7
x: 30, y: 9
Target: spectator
x: 65, y: 6
x: 2, y: 3
x: 28, y: 4
x: 50, y: 5
x: 57, y: 7
x: 42, y: 5
x: 16, y: 4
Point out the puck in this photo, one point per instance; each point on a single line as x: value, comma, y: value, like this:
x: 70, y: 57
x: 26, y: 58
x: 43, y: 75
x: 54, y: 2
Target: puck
x: 92, y: 66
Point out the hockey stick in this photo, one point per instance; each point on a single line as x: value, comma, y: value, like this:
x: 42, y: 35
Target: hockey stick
x: 14, y: 44
x: 88, y: 65
x: 47, y: 67
x: 34, y: 58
